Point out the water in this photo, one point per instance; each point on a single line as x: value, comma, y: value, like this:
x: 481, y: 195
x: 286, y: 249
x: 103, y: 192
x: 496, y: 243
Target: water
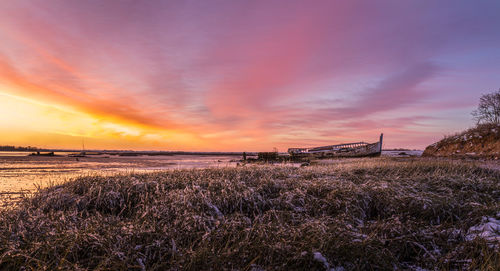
x: 20, y: 173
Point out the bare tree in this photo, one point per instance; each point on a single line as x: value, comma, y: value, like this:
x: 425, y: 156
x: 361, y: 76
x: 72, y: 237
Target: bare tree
x: 488, y: 110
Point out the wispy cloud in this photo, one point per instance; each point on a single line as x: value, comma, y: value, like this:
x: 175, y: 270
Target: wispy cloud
x: 254, y: 74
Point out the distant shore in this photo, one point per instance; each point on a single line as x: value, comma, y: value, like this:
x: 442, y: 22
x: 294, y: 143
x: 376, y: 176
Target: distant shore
x: 131, y: 153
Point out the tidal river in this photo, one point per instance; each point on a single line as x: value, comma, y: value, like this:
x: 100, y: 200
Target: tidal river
x: 21, y: 173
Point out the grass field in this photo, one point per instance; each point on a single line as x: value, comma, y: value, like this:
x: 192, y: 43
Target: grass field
x: 366, y: 214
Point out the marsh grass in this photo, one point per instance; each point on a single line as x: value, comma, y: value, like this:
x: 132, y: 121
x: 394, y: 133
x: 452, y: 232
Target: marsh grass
x: 481, y: 141
x: 367, y: 214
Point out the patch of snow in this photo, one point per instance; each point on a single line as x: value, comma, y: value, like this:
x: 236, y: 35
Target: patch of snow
x: 436, y: 251
x: 488, y: 229
x: 216, y: 210
x: 319, y: 257
x: 360, y: 222
x: 418, y: 268
x: 299, y: 209
x: 174, y: 247
x: 140, y: 261
x: 256, y: 268
x: 359, y: 236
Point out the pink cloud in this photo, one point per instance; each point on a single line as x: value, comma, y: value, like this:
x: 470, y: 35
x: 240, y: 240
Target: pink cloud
x: 309, y: 71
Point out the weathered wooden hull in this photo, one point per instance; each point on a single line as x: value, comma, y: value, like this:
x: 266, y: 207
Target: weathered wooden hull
x: 360, y: 149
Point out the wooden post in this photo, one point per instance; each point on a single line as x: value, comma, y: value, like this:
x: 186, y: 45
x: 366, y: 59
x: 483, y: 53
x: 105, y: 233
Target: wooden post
x: 381, y: 138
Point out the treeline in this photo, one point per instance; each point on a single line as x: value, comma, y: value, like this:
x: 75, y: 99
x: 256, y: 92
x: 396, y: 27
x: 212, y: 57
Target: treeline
x: 16, y: 148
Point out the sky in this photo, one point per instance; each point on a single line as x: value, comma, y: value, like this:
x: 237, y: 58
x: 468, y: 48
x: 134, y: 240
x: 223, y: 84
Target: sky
x: 242, y: 75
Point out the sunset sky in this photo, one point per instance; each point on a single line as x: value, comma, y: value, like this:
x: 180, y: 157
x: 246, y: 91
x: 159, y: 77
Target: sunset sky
x: 242, y: 75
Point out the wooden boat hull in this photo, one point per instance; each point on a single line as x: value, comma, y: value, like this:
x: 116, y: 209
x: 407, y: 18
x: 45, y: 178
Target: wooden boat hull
x: 359, y: 149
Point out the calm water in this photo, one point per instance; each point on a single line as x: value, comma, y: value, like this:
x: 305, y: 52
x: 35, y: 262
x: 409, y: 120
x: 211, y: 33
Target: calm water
x: 19, y: 172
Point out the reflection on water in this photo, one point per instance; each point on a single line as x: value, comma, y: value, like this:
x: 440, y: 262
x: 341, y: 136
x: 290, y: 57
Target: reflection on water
x: 19, y: 172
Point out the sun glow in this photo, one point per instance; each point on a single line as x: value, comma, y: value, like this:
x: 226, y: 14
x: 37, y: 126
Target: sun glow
x: 26, y: 121
x: 176, y: 79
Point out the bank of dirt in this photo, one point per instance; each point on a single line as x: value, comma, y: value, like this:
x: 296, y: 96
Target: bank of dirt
x: 481, y: 141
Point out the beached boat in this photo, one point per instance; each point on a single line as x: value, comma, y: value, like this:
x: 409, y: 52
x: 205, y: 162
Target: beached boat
x: 43, y: 154
x: 357, y: 149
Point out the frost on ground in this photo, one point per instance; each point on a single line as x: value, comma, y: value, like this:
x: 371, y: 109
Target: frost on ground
x: 320, y: 258
x: 353, y: 214
x: 489, y: 230
x: 480, y: 141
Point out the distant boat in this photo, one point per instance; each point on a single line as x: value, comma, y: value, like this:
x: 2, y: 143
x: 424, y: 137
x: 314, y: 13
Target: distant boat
x: 43, y: 154
x: 357, y: 149
x: 82, y: 153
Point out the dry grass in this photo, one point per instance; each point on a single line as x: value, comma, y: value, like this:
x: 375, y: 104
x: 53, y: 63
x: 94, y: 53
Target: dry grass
x: 480, y: 141
x: 371, y: 214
